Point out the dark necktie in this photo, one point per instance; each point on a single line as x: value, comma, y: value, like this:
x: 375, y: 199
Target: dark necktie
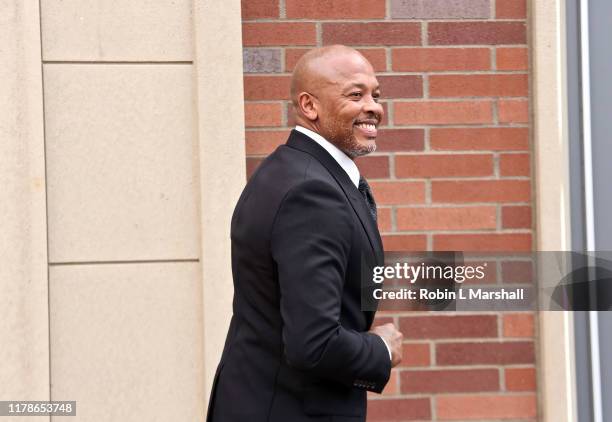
x: 366, y: 192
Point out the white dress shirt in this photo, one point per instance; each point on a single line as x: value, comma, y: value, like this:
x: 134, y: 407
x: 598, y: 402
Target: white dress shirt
x: 347, y: 165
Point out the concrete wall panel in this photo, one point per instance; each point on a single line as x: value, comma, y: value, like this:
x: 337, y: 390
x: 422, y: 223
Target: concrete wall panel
x: 120, y: 151
x: 117, y: 30
x: 126, y: 341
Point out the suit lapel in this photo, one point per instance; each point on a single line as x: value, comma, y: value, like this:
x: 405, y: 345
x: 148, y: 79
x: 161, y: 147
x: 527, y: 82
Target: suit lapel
x: 302, y: 142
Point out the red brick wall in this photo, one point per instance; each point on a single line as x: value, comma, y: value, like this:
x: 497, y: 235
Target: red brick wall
x: 452, y: 171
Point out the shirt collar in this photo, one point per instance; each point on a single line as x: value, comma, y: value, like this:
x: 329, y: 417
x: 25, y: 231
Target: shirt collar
x: 341, y: 158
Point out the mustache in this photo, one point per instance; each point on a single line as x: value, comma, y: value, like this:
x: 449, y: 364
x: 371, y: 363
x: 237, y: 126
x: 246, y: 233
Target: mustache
x: 375, y: 116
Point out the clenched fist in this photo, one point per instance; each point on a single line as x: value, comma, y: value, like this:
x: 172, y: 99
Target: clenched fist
x: 393, y: 337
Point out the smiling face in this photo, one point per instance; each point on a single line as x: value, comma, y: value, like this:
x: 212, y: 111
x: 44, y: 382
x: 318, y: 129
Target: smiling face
x: 340, y: 101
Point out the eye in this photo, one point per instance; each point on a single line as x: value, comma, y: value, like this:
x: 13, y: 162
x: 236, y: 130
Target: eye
x: 355, y: 94
x: 376, y: 97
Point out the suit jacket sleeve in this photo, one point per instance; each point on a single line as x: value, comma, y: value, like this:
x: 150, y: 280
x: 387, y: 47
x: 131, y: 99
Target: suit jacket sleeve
x: 311, y: 240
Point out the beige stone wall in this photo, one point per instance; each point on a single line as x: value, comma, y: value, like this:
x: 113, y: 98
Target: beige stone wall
x: 121, y: 157
x: 24, y: 324
x: 556, y: 369
x: 115, y: 243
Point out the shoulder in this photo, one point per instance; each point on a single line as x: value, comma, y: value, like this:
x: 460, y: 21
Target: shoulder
x: 289, y: 169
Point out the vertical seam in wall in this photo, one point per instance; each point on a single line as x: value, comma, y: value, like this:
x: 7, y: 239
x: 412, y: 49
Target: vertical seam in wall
x: 42, y: 82
x: 531, y: 124
x: 391, y: 113
x: 493, y: 58
x: 283, y: 59
x: 494, y: 106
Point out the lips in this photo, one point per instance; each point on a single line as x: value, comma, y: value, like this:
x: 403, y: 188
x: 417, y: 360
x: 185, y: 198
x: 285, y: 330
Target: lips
x: 367, y: 128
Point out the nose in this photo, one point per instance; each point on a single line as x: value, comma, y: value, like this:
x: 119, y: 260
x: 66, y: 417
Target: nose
x: 372, y: 107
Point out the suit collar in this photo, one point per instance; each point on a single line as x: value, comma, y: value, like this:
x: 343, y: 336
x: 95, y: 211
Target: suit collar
x: 341, y: 158
x: 303, y: 143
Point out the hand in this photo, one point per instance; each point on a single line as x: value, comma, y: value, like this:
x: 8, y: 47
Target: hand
x: 393, y: 337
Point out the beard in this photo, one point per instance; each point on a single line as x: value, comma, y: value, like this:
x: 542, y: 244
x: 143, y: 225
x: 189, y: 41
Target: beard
x: 354, y: 149
x: 344, y: 139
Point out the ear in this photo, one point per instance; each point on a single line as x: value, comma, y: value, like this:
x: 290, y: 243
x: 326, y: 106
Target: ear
x: 307, y: 105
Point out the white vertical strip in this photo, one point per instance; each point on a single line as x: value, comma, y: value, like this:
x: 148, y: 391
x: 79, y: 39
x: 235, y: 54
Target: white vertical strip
x: 222, y: 166
x: 595, y: 366
x: 556, y: 372
x: 24, y: 325
x: 586, y: 125
x: 589, y: 209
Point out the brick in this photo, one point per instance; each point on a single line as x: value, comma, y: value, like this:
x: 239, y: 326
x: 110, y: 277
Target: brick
x: 405, y: 242
x: 257, y: 9
x: 481, y: 191
x: 292, y: 55
x: 262, y: 114
x: 373, y: 167
x: 511, y: 58
x: 251, y: 165
x: 513, y: 111
x: 440, y: 9
x: 382, y: 318
x: 485, y: 353
x: 443, y: 112
x: 397, y: 140
x: 261, y: 60
x: 483, y: 242
x: 440, y: 59
x: 372, y: 33
x: 517, y: 272
x: 335, y: 9
x: 516, y: 217
x: 376, y: 56
x: 278, y: 33
x: 402, y: 86
x: 478, y: 86
x: 384, y: 219
x: 461, y: 407
x: 266, y: 87
x: 465, y: 139
x: 415, y: 355
x: 404, y: 409
x: 392, y: 387
x: 518, y: 325
x: 449, y: 381
x: 511, y: 9
x: 520, y: 379
x: 514, y: 165
x: 462, y: 218
x: 264, y: 142
x: 487, y: 33
x: 444, y: 165
x: 398, y: 193
x: 456, y: 326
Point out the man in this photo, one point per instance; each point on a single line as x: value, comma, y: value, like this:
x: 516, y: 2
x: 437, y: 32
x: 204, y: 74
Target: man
x: 298, y: 347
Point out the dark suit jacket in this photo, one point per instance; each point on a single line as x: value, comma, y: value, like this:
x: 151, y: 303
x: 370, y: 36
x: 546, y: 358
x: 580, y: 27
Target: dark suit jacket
x: 297, y: 347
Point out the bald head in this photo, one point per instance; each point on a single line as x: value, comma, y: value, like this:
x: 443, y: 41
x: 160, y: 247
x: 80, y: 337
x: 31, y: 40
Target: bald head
x: 323, y: 66
x: 335, y: 94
